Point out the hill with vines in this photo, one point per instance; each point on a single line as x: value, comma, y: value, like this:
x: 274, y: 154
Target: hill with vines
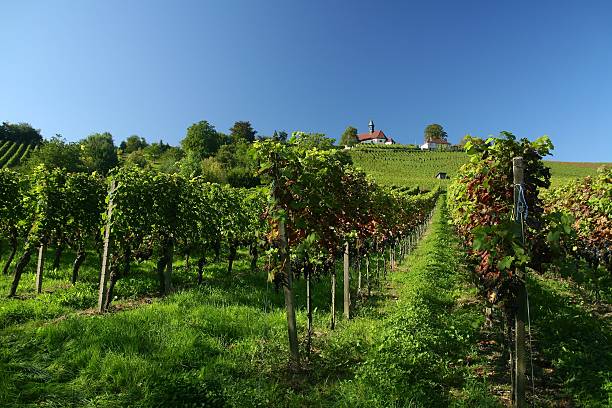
x: 411, y: 167
x: 13, y: 154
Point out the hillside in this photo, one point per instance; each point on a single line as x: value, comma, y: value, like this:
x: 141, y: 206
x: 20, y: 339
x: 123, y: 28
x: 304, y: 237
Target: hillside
x: 13, y: 154
x: 419, y: 168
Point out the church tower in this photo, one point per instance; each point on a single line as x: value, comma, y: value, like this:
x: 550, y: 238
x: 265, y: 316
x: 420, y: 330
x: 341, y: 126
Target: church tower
x: 371, y: 126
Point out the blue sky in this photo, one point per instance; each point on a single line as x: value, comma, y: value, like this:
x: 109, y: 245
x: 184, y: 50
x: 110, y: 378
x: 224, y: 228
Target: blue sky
x: 153, y: 68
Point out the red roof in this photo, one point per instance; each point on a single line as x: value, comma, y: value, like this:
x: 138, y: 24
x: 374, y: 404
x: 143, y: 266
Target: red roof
x: 437, y: 141
x: 377, y: 134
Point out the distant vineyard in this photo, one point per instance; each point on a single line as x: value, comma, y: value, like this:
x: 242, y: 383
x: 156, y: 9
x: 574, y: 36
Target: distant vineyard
x: 409, y: 168
x: 414, y: 168
x: 13, y: 154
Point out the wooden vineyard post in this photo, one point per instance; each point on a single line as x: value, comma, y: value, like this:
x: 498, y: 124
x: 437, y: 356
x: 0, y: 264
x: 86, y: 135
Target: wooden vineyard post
x: 368, y: 275
x: 359, y: 256
x: 521, y: 297
x: 288, y: 290
x: 168, y: 270
x: 40, y: 267
x: 105, y: 252
x: 309, y: 312
x: 332, y: 323
x: 347, y: 286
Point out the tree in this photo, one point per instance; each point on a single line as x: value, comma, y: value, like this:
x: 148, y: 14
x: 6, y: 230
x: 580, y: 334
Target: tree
x: 435, y: 132
x: 242, y: 130
x: 133, y: 143
x: 201, y: 140
x: 20, y: 133
x: 310, y: 140
x: 349, y: 137
x: 57, y: 154
x: 98, y: 152
x: 280, y: 136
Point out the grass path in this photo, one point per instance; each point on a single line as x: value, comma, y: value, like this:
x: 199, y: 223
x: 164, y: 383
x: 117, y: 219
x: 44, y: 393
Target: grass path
x: 423, y: 347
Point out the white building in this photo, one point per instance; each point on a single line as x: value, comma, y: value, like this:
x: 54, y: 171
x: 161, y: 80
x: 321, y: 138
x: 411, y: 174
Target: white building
x: 434, y: 144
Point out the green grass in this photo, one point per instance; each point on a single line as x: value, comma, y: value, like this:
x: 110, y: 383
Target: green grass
x: 415, y: 168
x: 574, y: 336
x: 415, y: 342
x: 225, y: 343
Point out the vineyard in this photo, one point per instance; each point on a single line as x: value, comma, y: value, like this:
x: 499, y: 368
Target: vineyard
x: 412, y: 167
x: 322, y: 287
x: 13, y: 154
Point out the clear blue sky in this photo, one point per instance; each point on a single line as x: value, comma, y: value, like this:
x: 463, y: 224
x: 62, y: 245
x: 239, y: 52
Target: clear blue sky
x: 153, y: 68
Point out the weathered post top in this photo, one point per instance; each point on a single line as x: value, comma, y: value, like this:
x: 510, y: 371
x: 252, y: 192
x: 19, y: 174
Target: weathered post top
x: 517, y: 170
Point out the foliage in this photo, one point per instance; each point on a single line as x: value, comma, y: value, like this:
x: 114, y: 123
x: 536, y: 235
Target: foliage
x: 238, y: 164
x: 280, y: 136
x: 133, y: 143
x: 57, y: 154
x: 311, y: 140
x: 169, y: 160
x: 137, y: 158
x: 212, y: 171
x: 84, y: 202
x: 12, y: 211
x: 434, y: 132
x: 318, y: 194
x: 98, y: 152
x: 191, y: 165
x: 201, y: 140
x: 156, y: 149
x: 580, y: 220
x: 20, y: 133
x: 349, y: 137
x: 242, y: 131
x: 481, y: 200
x: 46, y: 202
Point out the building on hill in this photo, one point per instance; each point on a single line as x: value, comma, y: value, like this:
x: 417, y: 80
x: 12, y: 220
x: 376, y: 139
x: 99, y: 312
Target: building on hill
x: 434, y: 144
x: 374, y: 136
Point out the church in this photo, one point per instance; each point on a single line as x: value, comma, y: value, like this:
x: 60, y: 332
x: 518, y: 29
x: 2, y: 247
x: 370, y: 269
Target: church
x: 374, y: 136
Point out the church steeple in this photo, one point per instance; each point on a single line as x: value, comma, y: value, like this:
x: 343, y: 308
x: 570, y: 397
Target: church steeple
x: 371, y: 126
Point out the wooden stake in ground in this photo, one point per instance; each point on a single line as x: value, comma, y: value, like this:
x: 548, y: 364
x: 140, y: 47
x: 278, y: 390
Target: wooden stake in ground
x: 521, y: 295
x: 332, y: 324
x: 347, y: 285
x: 40, y: 267
x: 368, y: 275
x: 309, y: 310
x: 288, y: 291
x: 105, y: 252
x: 358, y: 274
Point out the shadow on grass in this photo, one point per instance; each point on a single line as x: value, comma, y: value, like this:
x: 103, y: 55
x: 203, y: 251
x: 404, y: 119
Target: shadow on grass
x: 577, y: 342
